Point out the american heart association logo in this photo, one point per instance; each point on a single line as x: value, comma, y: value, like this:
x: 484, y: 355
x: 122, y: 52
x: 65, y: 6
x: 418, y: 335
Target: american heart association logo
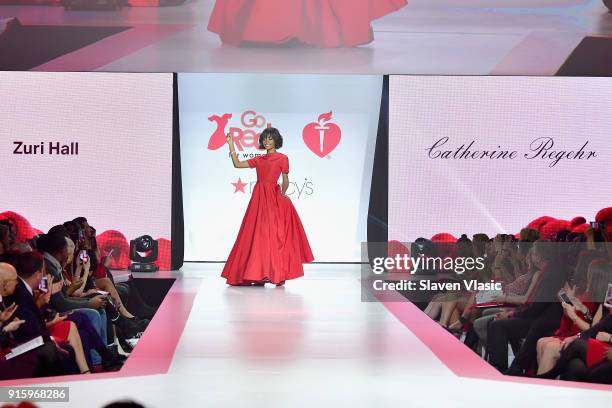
x: 322, y: 137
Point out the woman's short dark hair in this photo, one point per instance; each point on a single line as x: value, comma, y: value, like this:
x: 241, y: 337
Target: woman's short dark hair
x: 274, y: 134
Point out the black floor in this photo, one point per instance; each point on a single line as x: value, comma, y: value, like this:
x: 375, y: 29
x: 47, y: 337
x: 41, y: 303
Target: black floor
x: 592, y: 57
x: 25, y: 47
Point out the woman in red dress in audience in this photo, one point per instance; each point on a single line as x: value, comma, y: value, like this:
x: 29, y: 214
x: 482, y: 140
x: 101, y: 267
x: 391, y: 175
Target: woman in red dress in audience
x: 585, y: 311
x: 271, y: 245
x: 319, y: 23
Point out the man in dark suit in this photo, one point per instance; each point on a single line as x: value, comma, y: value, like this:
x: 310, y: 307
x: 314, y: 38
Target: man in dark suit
x: 30, y: 272
x: 47, y: 359
x: 540, y: 317
x: 55, y: 253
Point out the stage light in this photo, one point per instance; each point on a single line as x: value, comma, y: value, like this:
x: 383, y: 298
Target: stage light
x: 143, y: 254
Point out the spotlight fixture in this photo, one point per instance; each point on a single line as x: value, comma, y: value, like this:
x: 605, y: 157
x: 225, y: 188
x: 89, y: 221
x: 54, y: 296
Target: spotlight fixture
x: 143, y: 254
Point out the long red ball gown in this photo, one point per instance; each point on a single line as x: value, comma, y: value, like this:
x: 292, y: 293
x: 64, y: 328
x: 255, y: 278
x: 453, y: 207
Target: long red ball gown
x: 320, y: 23
x: 271, y: 244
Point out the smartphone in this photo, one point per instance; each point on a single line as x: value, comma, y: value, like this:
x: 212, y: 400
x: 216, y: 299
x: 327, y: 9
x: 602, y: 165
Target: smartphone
x: 83, y: 255
x: 81, y: 238
x: 563, y: 296
x: 43, y: 286
x: 103, y: 293
x: 595, y: 225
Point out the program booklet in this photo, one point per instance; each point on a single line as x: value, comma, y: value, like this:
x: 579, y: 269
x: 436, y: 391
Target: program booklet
x: 25, y: 347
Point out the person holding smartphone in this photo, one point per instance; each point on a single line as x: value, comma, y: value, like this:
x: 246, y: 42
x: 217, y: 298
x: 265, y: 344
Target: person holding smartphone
x: 41, y: 361
x: 579, y: 314
x: 100, y: 279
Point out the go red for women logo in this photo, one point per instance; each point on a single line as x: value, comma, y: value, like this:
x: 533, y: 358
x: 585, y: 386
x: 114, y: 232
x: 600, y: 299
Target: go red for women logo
x: 322, y: 137
x: 245, y: 137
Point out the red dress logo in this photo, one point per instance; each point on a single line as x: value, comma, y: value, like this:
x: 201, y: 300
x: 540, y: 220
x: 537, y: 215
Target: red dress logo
x: 217, y: 139
x: 246, y: 137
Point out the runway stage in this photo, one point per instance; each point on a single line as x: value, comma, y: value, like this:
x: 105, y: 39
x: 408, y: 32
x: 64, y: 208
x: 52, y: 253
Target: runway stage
x: 310, y: 343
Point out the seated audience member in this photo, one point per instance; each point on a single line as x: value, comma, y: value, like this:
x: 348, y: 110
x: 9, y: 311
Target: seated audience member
x: 585, y: 310
x: 538, y: 318
x: 61, y: 330
x: 93, y: 335
x: 450, y: 304
x: 100, y: 274
x: 68, y: 328
x: 11, y: 238
x: 55, y: 251
x: 586, y: 357
x: 56, y: 256
x: 599, y: 240
x: 76, y: 274
x: 4, y: 238
x: 41, y: 361
x: 515, y: 294
x: 29, y: 299
x: 507, y: 263
x: 529, y: 235
x: 581, y: 271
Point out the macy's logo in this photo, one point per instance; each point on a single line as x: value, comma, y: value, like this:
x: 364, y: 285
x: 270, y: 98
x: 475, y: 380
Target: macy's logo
x: 321, y: 137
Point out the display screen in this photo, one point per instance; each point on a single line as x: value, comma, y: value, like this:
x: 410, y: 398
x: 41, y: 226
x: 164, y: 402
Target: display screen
x: 97, y: 145
x: 329, y: 126
x: 493, y: 154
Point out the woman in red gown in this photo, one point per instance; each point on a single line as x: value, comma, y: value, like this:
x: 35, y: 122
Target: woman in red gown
x: 319, y: 23
x: 271, y: 245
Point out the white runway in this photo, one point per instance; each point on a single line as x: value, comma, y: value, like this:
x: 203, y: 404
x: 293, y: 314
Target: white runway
x: 312, y: 343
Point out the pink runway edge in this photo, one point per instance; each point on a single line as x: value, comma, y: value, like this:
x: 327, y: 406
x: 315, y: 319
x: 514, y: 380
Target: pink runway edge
x: 456, y: 356
x: 155, y: 349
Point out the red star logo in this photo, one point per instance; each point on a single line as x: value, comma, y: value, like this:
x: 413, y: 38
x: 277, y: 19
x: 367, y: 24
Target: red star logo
x: 239, y: 186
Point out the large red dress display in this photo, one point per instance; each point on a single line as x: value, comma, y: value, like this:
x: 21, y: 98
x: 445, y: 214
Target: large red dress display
x: 320, y: 23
